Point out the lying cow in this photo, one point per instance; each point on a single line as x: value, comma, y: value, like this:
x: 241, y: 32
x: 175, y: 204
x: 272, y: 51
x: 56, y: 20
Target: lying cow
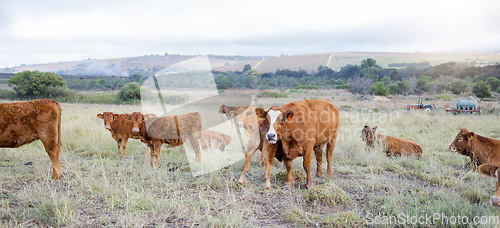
x: 232, y: 110
x: 218, y: 139
x: 492, y: 171
x: 480, y: 149
x: 172, y: 130
x: 120, y: 127
x: 303, y: 127
x: 24, y: 122
x: 394, y: 146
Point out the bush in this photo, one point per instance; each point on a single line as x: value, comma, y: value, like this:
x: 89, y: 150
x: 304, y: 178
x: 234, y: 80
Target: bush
x: 459, y: 87
x: 481, y: 89
x: 130, y: 91
x: 264, y: 94
x: 7, y: 94
x: 498, y: 90
x: 379, y: 89
x: 37, y: 84
x: 307, y: 87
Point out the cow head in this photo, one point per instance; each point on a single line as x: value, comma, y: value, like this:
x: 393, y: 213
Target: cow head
x: 265, y: 121
x: 492, y: 171
x: 368, y: 135
x: 108, y: 118
x: 222, y: 109
x: 137, y: 121
x: 463, y: 142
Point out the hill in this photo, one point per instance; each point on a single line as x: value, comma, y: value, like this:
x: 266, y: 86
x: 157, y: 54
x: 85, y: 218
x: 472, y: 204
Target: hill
x: 149, y: 64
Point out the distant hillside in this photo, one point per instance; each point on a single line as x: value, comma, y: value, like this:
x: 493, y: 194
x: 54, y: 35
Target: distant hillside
x: 148, y: 65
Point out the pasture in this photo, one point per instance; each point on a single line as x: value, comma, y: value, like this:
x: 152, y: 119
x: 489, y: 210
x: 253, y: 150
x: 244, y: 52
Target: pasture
x: 100, y: 188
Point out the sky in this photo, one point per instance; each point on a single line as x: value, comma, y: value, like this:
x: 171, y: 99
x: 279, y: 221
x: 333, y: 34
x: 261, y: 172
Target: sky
x: 34, y: 32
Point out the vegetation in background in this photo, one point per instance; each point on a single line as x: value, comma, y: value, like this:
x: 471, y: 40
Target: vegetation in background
x: 38, y: 84
x: 130, y: 91
x: 481, y: 89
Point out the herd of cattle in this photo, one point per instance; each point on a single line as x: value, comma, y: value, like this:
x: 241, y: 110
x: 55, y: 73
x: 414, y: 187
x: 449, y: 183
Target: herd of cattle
x: 298, y: 129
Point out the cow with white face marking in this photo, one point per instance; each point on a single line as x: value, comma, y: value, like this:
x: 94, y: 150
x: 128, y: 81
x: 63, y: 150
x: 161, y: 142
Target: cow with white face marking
x: 303, y: 127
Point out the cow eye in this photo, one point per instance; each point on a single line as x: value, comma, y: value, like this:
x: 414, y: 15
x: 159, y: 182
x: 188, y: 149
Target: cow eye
x: 460, y: 139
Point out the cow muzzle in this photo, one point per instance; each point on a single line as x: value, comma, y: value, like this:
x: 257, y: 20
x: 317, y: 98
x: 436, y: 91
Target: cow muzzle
x: 452, y: 148
x: 107, y: 127
x: 271, y: 138
x: 135, y: 130
x: 495, y: 201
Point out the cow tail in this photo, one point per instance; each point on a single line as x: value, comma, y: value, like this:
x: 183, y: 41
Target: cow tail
x: 59, y: 143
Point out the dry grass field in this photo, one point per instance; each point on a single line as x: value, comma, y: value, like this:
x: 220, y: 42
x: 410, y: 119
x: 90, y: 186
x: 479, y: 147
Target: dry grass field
x: 100, y: 188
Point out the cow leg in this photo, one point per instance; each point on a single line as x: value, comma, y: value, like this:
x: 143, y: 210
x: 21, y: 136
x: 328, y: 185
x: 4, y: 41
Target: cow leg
x: 246, y: 164
x: 309, y: 148
x: 269, y: 167
x: 53, y: 151
x: 289, y: 178
x: 195, y: 143
x: 119, y: 143
x: 329, y: 156
x: 157, y: 153
x: 318, y: 151
x: 124, y: 145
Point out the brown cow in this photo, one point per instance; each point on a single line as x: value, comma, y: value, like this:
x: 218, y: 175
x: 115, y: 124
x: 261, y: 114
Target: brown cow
x: 302, y: 126
x: 480, y: 149
x: 394, y: 146
x: 218, y: 139
x: 173, y: 130
x: 120, y: 127
x: 24, y: 122
x: 256, y: 128
x: 232, y: 110
x: 492, y: 171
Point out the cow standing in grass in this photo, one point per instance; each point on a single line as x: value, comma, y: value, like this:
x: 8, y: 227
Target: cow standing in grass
x: 173, y: 130
x: 302, y: 126
x: 256, y: 128
x: 480, y: 149
x: 120, y: 127
x: 394, y: 146
x: 24, y: 122
x: 492, y: 171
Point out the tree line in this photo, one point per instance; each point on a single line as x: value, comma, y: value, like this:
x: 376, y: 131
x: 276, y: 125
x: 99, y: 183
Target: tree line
x: 370, y: 78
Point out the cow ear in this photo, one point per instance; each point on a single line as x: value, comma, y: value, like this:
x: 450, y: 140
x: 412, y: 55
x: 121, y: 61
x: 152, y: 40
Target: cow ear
x: 261, y: 113
x: 366, y: 126
x: 470, y: 135
x: 115, y: 116
x: 99, y: 116
x: 145, y: 117
x: 487, y: 169
x: 289, y: 115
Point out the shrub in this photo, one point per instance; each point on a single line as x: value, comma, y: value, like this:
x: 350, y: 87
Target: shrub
x: 7, y: 94
x: 307, y: 87
x: 130, y: 91
x: 37, y: 84
x: 481, y: 89
x: 264, y: 94
x: 459, y: 87
x: 380, y: 89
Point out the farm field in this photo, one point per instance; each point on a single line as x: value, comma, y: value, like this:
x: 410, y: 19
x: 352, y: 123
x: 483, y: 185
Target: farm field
x: 100, y: 188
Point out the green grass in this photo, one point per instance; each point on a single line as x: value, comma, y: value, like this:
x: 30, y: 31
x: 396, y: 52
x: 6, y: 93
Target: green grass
x: 271, y: 94
x: 100, y: 188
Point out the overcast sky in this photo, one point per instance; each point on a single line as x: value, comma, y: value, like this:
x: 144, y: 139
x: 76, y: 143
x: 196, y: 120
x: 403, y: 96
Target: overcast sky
x: 52, y: 31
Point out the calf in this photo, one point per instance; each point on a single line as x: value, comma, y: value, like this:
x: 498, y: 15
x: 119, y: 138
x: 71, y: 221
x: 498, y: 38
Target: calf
x: 492, y: 171
x: 218, y: 139
x: 173, y: 130
x: 120, y: 127
x: 232, y: 110
x: 24, y: 122
x: 303, y: 127
x: 480, y: 149
x: 394, y: 146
